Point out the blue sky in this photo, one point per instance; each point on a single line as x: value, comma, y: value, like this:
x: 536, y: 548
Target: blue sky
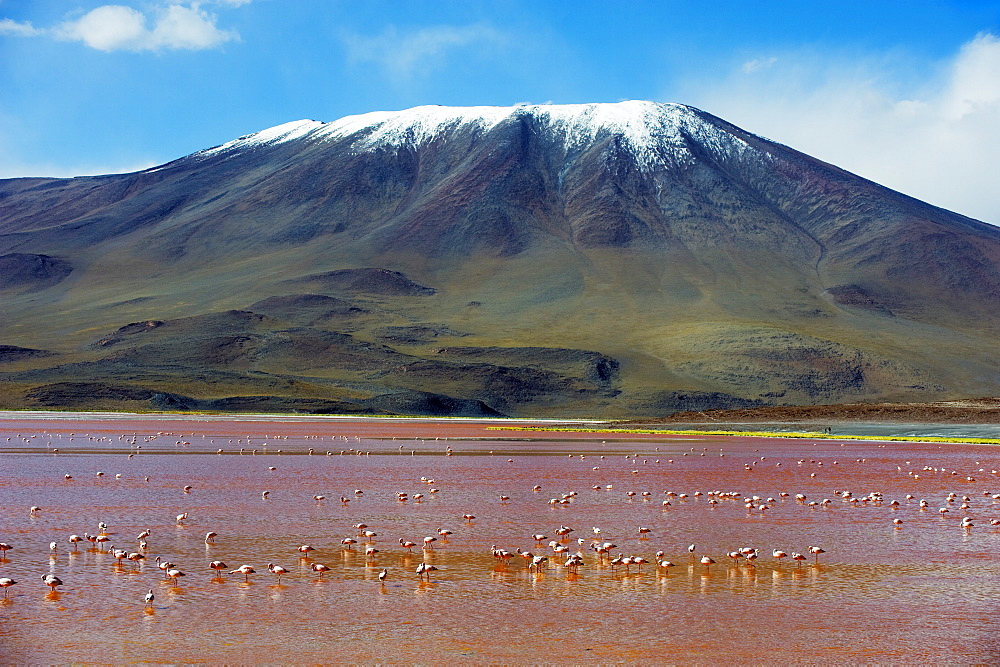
x: 906, y: 93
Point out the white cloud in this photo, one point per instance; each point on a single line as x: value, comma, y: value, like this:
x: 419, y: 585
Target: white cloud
x: 937, y: 140
x: 405, y: 55
x: 107, y: 28
x: 758, y: 64
x: 120, y: 28
x: 180, y: 27
x: 12, y: 27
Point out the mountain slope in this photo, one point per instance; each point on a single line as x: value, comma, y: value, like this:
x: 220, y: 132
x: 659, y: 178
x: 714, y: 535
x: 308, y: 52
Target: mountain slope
x: 696, y: 259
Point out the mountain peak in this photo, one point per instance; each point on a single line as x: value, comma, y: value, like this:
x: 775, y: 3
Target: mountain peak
x: 655, y: 133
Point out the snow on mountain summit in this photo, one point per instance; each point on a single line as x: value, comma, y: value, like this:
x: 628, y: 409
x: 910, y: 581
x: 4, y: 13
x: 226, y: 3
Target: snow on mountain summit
x: 655, y: 133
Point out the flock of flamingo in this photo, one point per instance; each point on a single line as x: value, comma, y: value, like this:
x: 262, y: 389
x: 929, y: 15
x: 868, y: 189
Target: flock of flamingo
x: 563, y: 550
x: 561, y: 546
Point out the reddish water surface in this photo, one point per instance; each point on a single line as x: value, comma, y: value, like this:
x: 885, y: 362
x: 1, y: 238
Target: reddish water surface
x: 925, y: 590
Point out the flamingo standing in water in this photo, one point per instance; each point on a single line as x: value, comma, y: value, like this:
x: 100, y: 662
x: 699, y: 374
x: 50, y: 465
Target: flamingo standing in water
x: 245, y: 570
x: 816, y: 551
x: 319, y: 567
x: 163, y: 565
x: 277, y: 570
x: 425, y: 569
x: 5, y: 583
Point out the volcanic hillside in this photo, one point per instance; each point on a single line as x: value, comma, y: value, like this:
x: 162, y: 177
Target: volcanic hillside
x: 604, y: 260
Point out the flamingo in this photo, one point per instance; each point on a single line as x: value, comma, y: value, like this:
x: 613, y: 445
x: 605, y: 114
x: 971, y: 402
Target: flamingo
x: 135, y: 557
x: 425, y: 569
x: 182, y: 517
x: 319, y: 567
x: 406, y: 544
x: 163, y: 565
x: 74, y: 540
x: 348, y: 541
x: 428, y: 540
x: 779, y: 554
x: 175, y: 574
x: 816, y: 551
x: 573, y: 563
x: 217, y: 565
x: 52, y: 581
x: 707, y: 562
x: 210, y: 537
x: 245, y: 570
x: 149, y: 598
x: 305, y: 549
x: 370, y: 553
x: 277, y: 570
x: 5, y: 583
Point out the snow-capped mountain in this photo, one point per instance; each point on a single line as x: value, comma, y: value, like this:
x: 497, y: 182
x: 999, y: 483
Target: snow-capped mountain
x: 664, y: 251
x: 657, y: 135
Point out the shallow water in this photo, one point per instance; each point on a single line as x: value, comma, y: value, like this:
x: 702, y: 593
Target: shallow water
x: 926, y: 590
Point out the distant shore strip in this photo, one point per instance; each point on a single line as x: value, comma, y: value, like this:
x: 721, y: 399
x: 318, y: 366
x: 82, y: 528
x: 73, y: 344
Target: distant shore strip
x: 756, y: 434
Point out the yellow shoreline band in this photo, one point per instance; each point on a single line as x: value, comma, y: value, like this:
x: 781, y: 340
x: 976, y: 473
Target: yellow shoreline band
x: 758, y: 434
